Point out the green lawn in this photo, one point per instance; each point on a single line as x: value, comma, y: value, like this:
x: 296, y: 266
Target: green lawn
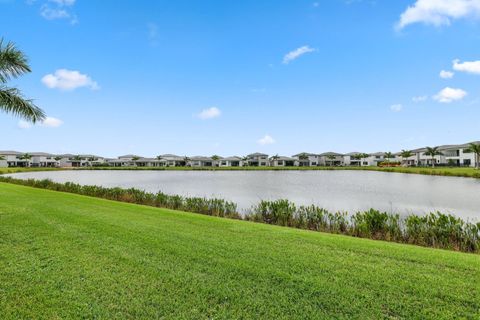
x: 69, y: 256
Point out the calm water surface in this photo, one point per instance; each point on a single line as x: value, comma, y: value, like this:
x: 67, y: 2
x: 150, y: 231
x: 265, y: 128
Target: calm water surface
x: 334, y: 190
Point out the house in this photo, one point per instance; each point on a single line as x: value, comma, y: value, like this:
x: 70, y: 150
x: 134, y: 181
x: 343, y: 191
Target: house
x: 330, y: 159
x: 353, y: 159
x: 307, y: 159
x: 257, y: 159
x: 231, y: 162
x: 424, y: 160
x: 199, y: 161
x: 280, y: 161
x: 79, y: 160
x: 14, y: 159
x: 171, y: 160
x: 459, y: 155
x: 149, y: 162
x: 42, y: 159
x: 373, y: 159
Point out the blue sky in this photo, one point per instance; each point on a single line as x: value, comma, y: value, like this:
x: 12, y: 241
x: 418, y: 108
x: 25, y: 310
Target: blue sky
x: 234, y: 77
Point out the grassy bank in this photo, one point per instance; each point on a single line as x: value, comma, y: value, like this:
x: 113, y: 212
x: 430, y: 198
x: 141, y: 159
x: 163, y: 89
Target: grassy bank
x: 438, y: 171
x: 70, y: 256
x: 435, y: 230
x: 19, y: 169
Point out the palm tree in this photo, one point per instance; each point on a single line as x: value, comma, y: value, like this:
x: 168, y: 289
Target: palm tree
x: 405, y: 154
x: 433, y: 152
x: 186, y: 160
x: 215, y: 159
x: 388, y: 156
x: 274, y: 158
x: 26, y: 156
x: 13, y: 63
x: 331, y: 157
x: 2, y: 158
x: 245, y: 162
x: 303, y: 157
x: 475, y: 148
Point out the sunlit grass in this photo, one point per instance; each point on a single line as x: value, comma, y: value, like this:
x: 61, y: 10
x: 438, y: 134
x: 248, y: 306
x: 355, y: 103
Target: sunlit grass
x: 71, y: 256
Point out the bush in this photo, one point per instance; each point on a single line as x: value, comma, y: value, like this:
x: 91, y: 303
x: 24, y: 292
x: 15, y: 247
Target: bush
x: 436, y: 230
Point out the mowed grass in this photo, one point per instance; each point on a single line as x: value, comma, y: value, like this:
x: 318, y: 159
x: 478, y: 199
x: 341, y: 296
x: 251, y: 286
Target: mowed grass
x: 70, y: 256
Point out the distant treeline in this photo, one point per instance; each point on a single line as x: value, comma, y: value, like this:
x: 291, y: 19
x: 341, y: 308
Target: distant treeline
x: 435, y: 230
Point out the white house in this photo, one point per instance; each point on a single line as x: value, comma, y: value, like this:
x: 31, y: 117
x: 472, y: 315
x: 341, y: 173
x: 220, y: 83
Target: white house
x: 230, y: 162
x: 280, y: 161
x: 200, y: 161
x: 330, y: 159
x: 257, y: 159
x: 307, y: 159
x: 353, y: 159
x: 373, y: 159
x: 172, y: 160
x: 42, y: 159
x: 16, y: 159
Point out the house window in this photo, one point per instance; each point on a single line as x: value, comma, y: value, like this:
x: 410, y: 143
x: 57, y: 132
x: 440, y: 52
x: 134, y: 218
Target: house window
x: 467, y: 162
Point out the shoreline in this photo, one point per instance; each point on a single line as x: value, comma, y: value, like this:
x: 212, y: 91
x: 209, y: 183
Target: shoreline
x: 435, y: 230
x: 438, y: 171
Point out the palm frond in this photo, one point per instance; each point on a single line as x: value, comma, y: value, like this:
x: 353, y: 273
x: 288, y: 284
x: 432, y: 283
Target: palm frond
x: 12, y: 101
x: 13, y: 62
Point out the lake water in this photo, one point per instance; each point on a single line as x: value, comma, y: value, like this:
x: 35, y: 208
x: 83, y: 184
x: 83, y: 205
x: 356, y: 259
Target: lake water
x: 334, y: 190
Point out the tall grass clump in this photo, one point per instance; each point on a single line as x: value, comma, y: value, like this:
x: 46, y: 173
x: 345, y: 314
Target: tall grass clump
x: 436, y: 230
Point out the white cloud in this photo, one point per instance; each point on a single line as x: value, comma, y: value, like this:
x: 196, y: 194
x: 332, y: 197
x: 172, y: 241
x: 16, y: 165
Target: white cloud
x: 292, y: 55
x: 419, y: 99
x: 448, y: 95
x: 64, y: 2
x: 396, y: 107
x: 58, y: 9
x: 49, y: 122
x: 54, y: 13
x: 467, y: 66
x: 446, y: 74
x: 210, y: 113
x: 439, y: 12
x: 266, y: 140
x: 64, y: 79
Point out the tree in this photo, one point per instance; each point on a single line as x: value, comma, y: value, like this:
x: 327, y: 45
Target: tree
x: 388, y: 156
x: 433, y: 151
x: 275, y: 158
x: 57, y: 158
x: 475, y: 148
x: 331, y: 157
x: 2, y: 158
x: 405, y: 154
x: 186, y: 160
x: 26, y: 156
x: 245, y: 162
x: 303, y: 157
x: 13, y: 63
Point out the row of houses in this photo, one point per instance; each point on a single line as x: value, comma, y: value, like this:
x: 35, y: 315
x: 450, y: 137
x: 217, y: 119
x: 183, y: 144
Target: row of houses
x: 451, y: 155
